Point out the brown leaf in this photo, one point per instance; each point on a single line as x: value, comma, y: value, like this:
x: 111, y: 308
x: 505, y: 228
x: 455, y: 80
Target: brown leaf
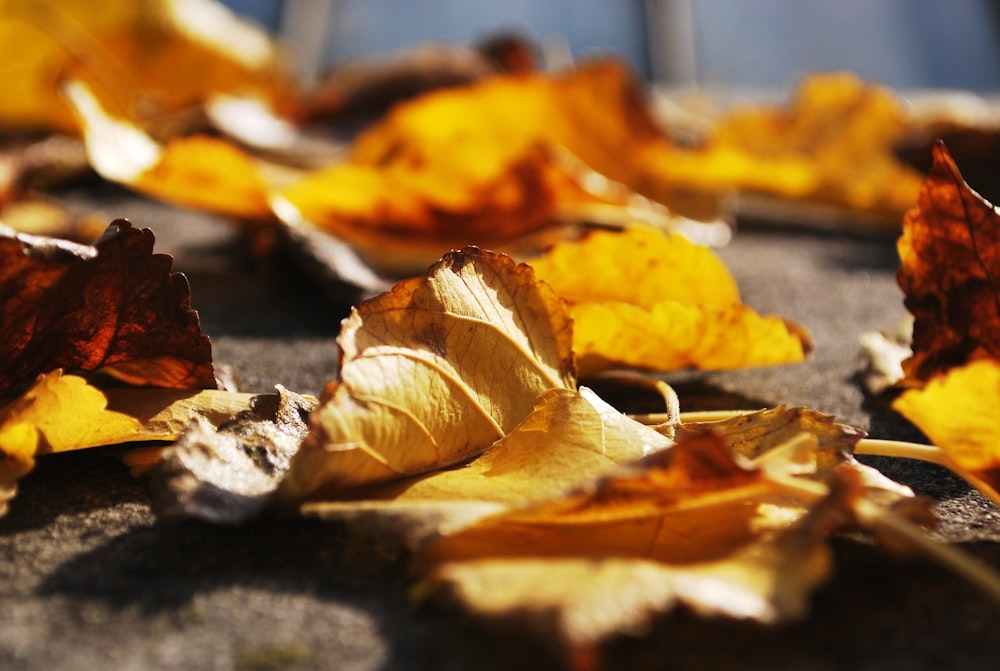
x: 114, y: 307
x: 435, y: 371
x: 950, y: 274
x: 690, y: 525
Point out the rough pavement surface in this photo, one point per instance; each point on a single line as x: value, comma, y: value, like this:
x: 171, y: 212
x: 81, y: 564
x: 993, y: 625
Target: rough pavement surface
x: 91, y: 581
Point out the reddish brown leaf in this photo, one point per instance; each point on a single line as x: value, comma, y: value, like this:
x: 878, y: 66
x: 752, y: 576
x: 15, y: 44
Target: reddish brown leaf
x: 950, y: 272
x: 114, y: 307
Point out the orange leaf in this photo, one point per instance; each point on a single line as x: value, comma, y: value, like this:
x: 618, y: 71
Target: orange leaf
x: 198, y: 171
x: 159, y: 57
x: 950, y: 273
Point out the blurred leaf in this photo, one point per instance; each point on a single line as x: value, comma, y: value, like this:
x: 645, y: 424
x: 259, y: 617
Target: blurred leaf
x: 197, y: 171
x: 159, y: 58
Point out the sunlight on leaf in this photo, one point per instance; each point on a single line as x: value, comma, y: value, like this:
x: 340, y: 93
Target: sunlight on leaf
x: 950, y: 274
x: 646, y: 299
x: 419, y: 387
x: 960, y: 412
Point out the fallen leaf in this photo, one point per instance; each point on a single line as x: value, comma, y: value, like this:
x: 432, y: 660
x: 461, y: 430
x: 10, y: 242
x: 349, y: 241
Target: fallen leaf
x: 487, y: 164
x: 687, y: 526
x: 114, y: 307
x: 226, y: 474
x: 950, y: 274
x: 162, y: 57
x: 570, y: 438
x: 960, y: 412
x: 435, y: 371
x: 642, y: 298
x: 834, y: 143
x: 197, y: 171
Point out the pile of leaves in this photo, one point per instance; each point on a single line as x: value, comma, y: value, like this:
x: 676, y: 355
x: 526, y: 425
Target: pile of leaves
x: 461, y: 427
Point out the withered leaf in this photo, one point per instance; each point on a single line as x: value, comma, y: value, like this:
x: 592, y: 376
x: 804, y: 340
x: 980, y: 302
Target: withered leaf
x: 434, y: 371
x: 487, y: 164
x: 570, y: 438
x: 950, y: 273
x: 644, y: 298
x: 114, y: 307
x: 833, y: 144
x: 690, y: 525
x: 227, y: 475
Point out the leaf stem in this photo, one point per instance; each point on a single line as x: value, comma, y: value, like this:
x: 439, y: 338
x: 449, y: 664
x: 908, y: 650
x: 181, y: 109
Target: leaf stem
x: 897, y: 448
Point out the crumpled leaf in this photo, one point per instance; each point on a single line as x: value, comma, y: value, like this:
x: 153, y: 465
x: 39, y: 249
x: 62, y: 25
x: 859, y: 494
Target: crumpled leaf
x: 164, y: 57
x: 950, y: 274
x: 691, y: 525
x: 114, y: 307
x: 228, y: 474
x: 434, y: 371
x: 960, y: 412
x: 570, y: 438
x: 646, y: 299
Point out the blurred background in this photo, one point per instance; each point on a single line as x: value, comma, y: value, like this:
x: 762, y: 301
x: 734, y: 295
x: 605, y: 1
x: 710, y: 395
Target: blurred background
x: 907, y: 44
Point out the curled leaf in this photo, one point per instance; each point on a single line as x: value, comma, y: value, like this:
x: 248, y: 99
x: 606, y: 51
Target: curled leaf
x: 435, y: 371
x: 114, y: 307
x: 570, y: 438
x: 950, y: 273
x: 228, y: 474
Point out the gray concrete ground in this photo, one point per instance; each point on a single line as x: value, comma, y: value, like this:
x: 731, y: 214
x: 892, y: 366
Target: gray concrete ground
x: 89, y: 580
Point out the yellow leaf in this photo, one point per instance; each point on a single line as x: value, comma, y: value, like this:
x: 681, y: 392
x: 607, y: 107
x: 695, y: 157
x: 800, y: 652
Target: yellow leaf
x: 69, y: 414
x: 435, y: 371
x: 639, y: 266
x: 646, y: 299
x: 161, y: 57
x: 568, y: 439
x: 960, y: 412
x: 197, y: 171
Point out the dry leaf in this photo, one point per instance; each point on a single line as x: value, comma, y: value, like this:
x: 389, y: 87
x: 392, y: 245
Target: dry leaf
x: 643, y: 298
x: 435, y: 371
x: 114, y: 307
x: 949, y: 269
x: 691, y: 525
x: 161, y: 57
x: 227, y: 474
x: 570, y: 438
x: 960, y: 412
